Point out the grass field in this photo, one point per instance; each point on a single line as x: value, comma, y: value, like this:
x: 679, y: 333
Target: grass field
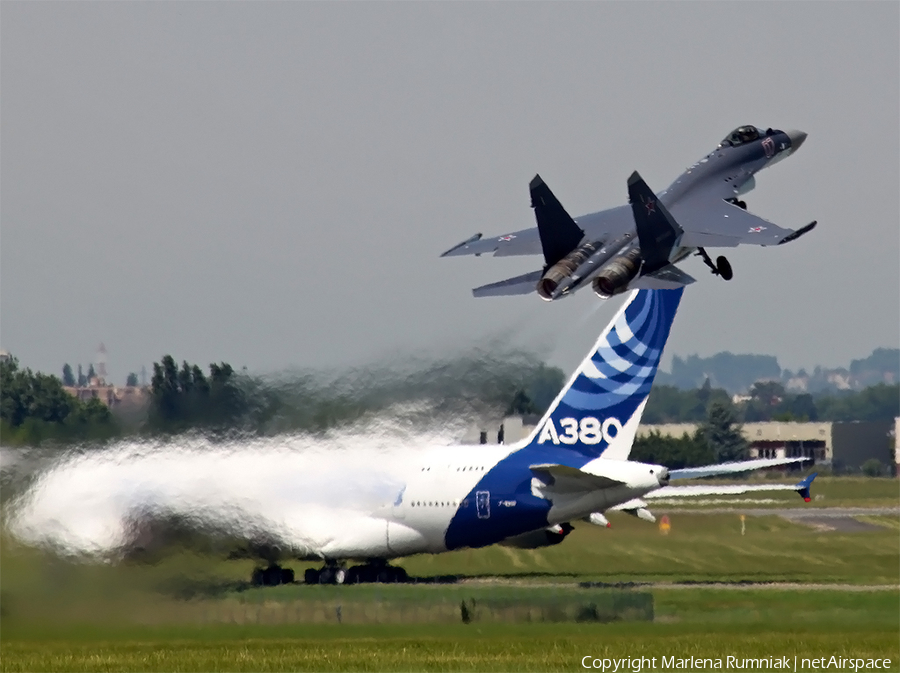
x: 191, y: 611
x: 700, y: 623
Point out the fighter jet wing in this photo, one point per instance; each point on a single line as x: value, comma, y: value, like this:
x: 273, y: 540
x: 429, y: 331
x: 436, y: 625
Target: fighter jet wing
x: 524, y: 242
x: 720, y: 224
x: 601, y: 225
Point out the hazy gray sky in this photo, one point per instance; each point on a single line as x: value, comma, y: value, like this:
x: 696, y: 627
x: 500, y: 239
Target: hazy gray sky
x: 271, y: 184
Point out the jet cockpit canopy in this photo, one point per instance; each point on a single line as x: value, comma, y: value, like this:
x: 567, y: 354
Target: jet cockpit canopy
x: 741, y: 135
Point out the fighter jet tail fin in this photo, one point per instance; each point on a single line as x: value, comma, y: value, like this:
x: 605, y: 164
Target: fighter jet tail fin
x: 559, y: 232
x: 658, y: 232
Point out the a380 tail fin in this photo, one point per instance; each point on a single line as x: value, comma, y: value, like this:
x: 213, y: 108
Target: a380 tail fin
x: 559, y: 233
x: 599, y: 409
x: 658, y: 232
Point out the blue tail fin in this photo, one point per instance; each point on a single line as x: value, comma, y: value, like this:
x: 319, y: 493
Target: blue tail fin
x: 598, y: 411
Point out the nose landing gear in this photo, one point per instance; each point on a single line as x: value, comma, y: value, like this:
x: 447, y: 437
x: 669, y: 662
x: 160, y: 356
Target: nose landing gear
x: 721, y: 267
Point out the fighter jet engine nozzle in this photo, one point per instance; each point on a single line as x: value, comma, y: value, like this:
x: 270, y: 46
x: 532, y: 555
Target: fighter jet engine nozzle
x: 617, y: 273
x: 564, y: 269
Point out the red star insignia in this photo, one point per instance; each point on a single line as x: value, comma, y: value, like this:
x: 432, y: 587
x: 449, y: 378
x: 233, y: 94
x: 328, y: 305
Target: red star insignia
x: 756, y: 230
x: 508, y: 237
x: 651, y: 205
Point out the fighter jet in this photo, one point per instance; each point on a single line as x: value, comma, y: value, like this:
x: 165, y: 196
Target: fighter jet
x: 638, y: 245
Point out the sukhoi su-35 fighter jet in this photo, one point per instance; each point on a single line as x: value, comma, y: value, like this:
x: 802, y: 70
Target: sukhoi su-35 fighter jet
x: 638, y: 245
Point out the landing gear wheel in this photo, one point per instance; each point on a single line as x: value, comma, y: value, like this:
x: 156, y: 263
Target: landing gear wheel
x: 392, y: 575
x: 271, y: 576
x: 723, y: 267
x: 330, y: 574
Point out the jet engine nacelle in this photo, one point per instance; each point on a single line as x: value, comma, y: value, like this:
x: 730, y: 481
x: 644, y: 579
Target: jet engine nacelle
x: 546, y: 537
x: 580, y: 265
x: 613, y: 279
x: 564, y: 268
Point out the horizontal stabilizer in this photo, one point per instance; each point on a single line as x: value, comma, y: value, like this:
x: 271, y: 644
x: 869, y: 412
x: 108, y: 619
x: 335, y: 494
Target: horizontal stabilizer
x: 524, y: 284
x: 559, y: 233
x: 668, y: 277
x: 731, y: 468
x: 565, y: 479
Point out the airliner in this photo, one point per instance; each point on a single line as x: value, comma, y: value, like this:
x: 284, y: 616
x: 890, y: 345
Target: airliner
x: 574, y: 466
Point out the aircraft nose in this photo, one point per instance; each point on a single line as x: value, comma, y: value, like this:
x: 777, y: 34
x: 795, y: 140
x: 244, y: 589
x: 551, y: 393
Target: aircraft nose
x: 797, y: 138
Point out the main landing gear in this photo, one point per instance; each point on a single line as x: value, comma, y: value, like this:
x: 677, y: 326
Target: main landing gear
x: 721, y: 267
x: 272, y: 576
x: 376, y: 571
x: 332, y: 573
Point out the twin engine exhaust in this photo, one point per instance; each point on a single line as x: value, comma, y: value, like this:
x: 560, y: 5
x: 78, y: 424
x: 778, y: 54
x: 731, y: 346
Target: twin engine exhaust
x: 612, y: 266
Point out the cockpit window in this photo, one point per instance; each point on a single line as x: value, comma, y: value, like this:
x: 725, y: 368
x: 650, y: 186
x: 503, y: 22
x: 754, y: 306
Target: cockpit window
x: 741, y: 135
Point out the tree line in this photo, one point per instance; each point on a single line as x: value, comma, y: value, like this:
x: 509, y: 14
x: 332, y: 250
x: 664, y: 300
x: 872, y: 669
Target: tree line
x: 718, y: 439
x: 34, y: 408
x: 82, y: 380
x: 478, y: 387
x: 769, y: 401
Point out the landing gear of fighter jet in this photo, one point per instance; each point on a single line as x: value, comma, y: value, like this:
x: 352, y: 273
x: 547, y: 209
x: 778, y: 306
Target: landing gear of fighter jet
x: 271, y: 576
x: 740, y: 204
x: 721, y: 267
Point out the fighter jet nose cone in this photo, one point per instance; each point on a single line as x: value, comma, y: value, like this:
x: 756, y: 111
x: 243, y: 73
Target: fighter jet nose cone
x: 797, y: 138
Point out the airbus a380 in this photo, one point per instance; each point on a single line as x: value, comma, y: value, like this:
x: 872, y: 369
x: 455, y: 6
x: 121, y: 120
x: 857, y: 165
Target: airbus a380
x: 573, y: 466
x: 638, y: 245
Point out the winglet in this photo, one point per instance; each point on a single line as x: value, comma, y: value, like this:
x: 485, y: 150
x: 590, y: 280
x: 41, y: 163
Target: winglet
x: 794, y: 235
x: 803, y: 487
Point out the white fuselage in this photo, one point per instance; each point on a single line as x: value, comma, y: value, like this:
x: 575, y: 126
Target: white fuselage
x: 441, y: 485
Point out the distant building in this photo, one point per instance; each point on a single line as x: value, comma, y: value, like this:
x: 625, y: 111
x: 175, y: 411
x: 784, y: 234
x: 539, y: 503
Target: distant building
x: 844, y: 446
x: 112, y: 396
